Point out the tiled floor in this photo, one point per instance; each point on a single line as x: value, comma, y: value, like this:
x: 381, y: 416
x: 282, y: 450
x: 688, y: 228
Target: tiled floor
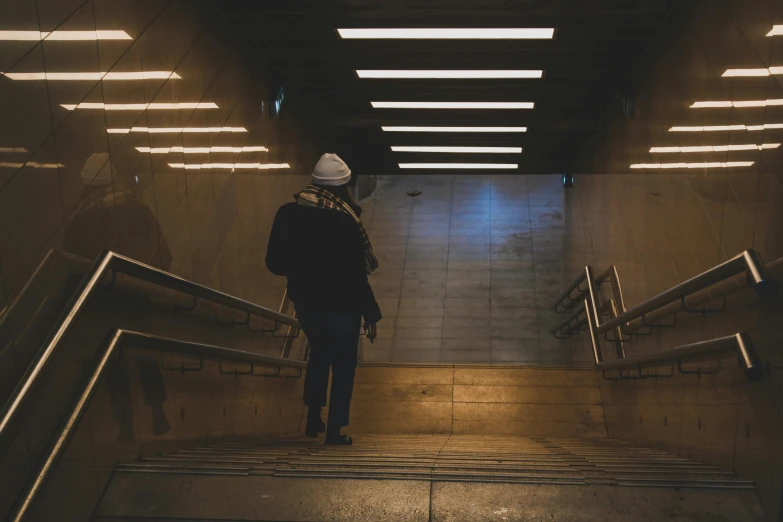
x: 466, y: 267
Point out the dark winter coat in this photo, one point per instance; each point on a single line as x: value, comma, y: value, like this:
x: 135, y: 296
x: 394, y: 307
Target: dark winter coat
x: 321, y: 254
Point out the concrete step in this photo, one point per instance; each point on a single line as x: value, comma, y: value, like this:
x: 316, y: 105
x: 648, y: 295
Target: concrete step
x: 159, y: 498
x: 426, y: 478
x: 450, y: 459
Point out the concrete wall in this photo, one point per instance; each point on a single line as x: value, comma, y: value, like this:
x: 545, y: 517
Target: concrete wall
x: 661, y: 227
x: 467, y: 267
x: 477, y: 400
x: 143, y: 406
x: 206, y: 225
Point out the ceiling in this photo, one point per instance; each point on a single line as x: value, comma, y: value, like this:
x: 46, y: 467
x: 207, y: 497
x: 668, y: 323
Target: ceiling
x: 596, y: 44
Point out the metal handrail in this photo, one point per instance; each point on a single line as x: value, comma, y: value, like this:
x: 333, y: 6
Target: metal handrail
x: 151, y: 274
x: 695, y: 300
x: 119, y: 263
x: 610, y: 274
x: 748, y: 262
x: 145, y: 341
x: 741, y: 343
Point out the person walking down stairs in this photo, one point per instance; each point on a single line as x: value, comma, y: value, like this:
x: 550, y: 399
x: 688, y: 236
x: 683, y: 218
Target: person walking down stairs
x: 319, y: 243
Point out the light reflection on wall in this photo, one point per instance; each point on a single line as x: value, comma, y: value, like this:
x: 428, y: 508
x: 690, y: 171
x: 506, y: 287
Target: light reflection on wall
x: 749, y: 74
x: 93, y: 76
x: 716, y: 148
x: 73, y: 36
x: 230, y: 166
x: 202, y: 150
x: 31, y: 164
x: 177, y: 130
x: 735, y: 104
x: 102, y: 98
x: 140, y: 106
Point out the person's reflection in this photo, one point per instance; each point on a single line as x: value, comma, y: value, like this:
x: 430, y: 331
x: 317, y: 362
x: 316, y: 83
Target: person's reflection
x: 119, y: 388
x: 111, y: 216
x: 153, y: 387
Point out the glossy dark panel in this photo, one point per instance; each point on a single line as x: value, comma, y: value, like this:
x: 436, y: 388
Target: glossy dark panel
x: 663, y: 226
x: 102, y: 188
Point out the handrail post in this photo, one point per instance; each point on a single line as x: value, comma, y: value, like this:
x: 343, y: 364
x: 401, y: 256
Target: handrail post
x: 591, y: 290
x: 618, y: 332
x: 599, y: 358
x: 617, y: 289
x: 748, y: 357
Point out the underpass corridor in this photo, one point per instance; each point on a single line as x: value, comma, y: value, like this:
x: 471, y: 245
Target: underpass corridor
x: 533, y: 248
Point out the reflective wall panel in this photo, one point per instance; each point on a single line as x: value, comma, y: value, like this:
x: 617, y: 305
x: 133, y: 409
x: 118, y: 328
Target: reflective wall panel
x: 108, y: 109
x: 685, y: 172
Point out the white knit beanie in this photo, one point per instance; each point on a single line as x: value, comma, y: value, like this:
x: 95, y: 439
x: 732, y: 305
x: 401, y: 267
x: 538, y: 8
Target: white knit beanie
x: 331, y: 171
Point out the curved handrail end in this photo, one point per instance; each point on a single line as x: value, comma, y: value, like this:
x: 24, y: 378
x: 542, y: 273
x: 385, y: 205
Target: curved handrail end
x: 748, y: 357
x: 757, y: 274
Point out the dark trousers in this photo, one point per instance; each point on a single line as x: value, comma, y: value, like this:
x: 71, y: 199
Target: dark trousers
x: 334, y: 342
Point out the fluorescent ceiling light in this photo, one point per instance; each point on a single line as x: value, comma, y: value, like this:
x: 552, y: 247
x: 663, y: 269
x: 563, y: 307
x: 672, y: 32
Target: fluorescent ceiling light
x: 170, y: 130
x: 458, y: 165
x: 707, y: 128
x: 716, y: 148
x: 777, y: 30
x: 454, y: 129
x: 63, y: 35
x: 231, y: 166
x: 449, y: 34
x: 32, y: 164
x: 417, y: 74
x: 732, y: 73
x: 13, y: 149
x: 140, y: 106
x: 709, y: 165
x: 495, y: 150
x: 93, y: 76
x: 201, y: 150
x: 737, y: 104
x: 713, y: 128
x: 452, y: 105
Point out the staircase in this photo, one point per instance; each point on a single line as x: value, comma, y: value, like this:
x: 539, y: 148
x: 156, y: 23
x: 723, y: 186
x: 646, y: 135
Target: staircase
x: 410, y: 477
x: 141, y: 427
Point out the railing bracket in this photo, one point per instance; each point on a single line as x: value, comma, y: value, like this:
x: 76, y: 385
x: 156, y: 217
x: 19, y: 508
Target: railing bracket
x: 704, y: 311
x: 234, y: 322
x: 265, y: 330
x: 698, y: 371
x: 287, y: 335
x: 182, y: 368
x: 275, y: 373
x: 235, y: 372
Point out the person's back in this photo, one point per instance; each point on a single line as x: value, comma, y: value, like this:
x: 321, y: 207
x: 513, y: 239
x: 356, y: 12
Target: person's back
x: 320, y: 245
x: 317, y: 250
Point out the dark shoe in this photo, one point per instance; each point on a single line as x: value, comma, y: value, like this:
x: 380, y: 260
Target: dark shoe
x: 338, y: 438
x: 315, y: 423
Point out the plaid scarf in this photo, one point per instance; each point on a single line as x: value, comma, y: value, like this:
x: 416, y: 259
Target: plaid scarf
x: 316, y: 197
